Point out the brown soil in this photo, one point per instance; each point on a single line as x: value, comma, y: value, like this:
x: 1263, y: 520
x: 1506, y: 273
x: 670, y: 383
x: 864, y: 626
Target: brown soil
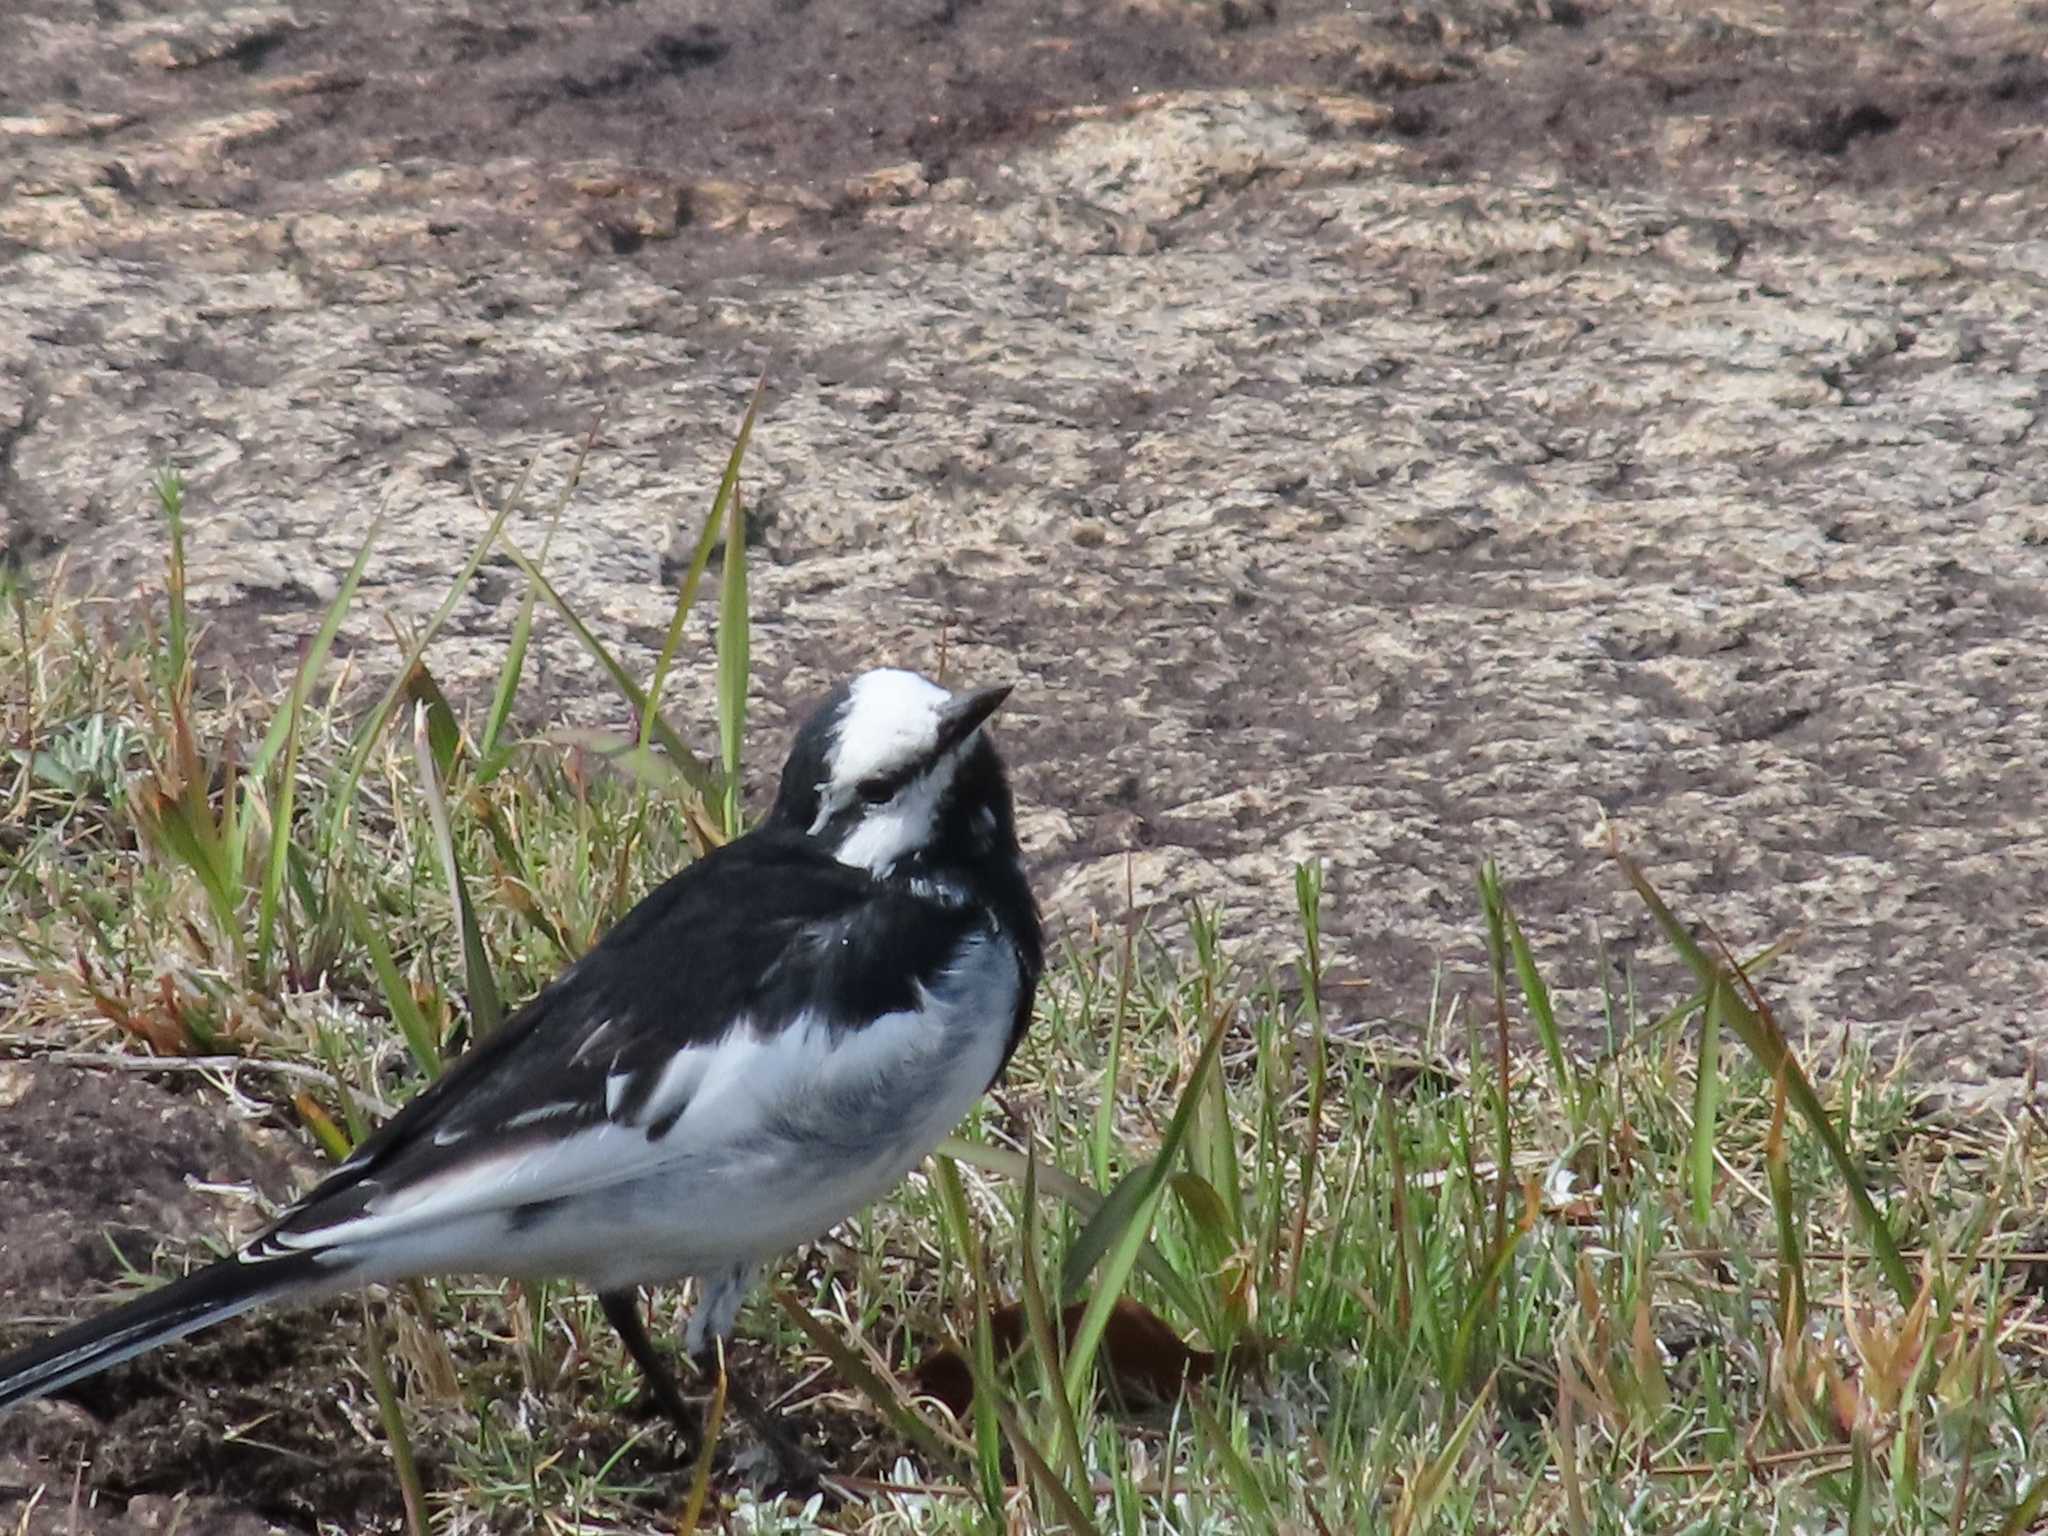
x: 245, y: 1420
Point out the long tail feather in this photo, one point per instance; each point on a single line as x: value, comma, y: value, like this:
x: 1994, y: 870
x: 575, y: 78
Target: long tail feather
x: 210, y: 1296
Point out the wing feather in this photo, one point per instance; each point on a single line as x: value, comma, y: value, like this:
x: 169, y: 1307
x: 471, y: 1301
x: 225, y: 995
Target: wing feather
x: 675, y: 1032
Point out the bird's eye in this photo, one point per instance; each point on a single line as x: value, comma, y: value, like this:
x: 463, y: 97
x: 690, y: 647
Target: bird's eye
x: 875, y: 791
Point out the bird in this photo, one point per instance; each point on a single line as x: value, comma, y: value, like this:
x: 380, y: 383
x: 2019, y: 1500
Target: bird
x: 764, y: 1045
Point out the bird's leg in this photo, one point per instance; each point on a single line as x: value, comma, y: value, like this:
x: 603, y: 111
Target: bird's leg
x: 795, y: 1468
x: 622, y: 1310
x: 718, y: 1306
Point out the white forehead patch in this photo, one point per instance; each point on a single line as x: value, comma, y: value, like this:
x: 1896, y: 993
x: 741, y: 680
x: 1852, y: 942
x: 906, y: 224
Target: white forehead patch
x: 891, y: 719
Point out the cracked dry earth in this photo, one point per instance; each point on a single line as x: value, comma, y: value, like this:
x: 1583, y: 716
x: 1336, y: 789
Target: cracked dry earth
x: 1398, y: 433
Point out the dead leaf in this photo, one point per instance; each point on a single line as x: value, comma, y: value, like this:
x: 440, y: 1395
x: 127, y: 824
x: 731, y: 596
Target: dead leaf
x: 1143, y: 1362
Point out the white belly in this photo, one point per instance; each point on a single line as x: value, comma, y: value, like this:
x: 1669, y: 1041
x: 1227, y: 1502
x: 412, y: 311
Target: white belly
x: 777, y: 1140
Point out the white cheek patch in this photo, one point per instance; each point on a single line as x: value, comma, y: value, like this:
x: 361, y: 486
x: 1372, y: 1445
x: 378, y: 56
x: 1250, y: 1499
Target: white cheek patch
x: 905, y: 824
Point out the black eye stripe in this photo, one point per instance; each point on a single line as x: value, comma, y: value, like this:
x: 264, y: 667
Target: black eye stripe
x: 884, y: 786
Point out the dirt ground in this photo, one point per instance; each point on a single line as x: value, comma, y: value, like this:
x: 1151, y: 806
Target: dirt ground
x: 1398, y: 433
x: 236, y: 1429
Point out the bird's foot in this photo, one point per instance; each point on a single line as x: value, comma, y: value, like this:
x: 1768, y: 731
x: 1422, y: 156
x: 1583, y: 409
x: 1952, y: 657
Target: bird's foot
x: 797, y: 1471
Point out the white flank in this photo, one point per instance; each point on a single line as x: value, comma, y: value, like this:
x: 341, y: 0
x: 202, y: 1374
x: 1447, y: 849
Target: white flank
x: 779, y: 1137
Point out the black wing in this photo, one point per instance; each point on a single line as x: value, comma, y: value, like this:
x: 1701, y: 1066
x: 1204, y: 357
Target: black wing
x: 765, y: 929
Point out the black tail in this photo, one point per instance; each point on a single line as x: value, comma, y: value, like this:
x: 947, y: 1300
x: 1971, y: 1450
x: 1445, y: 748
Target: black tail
x: 212, y: 1295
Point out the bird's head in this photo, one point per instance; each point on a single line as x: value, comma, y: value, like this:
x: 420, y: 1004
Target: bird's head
x: 894, y: 774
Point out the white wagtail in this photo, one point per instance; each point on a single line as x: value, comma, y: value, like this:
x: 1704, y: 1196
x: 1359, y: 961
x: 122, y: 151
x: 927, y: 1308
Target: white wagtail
x: 760, y: 1048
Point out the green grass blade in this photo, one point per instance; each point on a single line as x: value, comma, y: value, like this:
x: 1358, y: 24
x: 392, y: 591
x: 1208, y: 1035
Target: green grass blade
x: 1759, y: 1031
x: 431, y: 707
x: 335, y: 1142
x: 1212, y: 1153
x: 282, y: 804
x: 2027, y: 1513
x: 1706, y: 1107
x: 700, y: 1475
x: 853, y: 1368
x: 1045, y: 1340
x: 1477, y: 1309
x: 1509, y: 944
x: 1785, y: 1213
x: 1103, y: 1136
x: 169, y: 487
x: 1205, y: 1207
x: 1862, y: 1482
x: 316, y: 653
x: 405, y: 1008
x: 734, y: 660
x: 1013, y: 1165
x: 1536, y: 994
x: 993, y: 1417
x: 1099, y: 1233
x: 372, y: 729
x: 981, y: 1356
x: 485, y: 1007
x: 1238, y: 1475
x: 686, y: 599
x: 700, y: 559
x: 1072, y: 1516
x: 510, y: 670
x: 513, y: 668
x: 1308, y: 901
x: 1500, y: 1095
x: 283, y: 735
x: 1134, y: 1218
x: 393, y: 1416
x: 1436, y: 1478
x: 184, y: 829
x: 700, y: 776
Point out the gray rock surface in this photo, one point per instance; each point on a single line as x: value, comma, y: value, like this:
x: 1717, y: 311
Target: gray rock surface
x: 1398, y: 433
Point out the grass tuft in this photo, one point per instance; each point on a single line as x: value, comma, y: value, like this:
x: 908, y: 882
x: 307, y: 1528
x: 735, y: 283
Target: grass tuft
x: 1215, y: 1259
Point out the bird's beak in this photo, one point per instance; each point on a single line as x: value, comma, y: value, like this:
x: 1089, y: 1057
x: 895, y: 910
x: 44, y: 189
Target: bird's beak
x: 964, y: 713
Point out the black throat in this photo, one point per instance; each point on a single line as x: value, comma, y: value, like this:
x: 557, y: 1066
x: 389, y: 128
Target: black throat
x: 973, y: 854
x: 971, y: 858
